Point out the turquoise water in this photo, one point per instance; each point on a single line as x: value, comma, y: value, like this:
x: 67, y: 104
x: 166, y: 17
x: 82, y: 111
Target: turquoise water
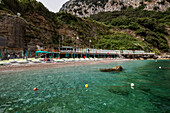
x: 62, y: 90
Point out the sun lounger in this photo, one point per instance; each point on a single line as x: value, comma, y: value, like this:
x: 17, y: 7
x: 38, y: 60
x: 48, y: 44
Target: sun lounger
x: 92, y: 59
x: 12, y: 61
x: 77, y: 59
x: 82, y: 59
x: 41, y: 59
x: 58, y: 60
x: 68, y: 59
x: 6, y: 62
x: 96, y: 59
x: 100, y: 59
x: 1, y: 63
x: 29, y: 59
x: 87, y: 59
x: 36, y: 61
x: 22, y: 61
x: 71, y: 59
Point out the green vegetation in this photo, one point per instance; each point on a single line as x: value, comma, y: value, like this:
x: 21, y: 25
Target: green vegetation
x: 150, y: 25
x: 120, y: 41
x: 106, y: 30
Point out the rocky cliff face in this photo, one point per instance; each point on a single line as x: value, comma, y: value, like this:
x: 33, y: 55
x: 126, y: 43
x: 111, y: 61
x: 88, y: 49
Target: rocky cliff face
x: 85, y: 8
x: 12, y: 28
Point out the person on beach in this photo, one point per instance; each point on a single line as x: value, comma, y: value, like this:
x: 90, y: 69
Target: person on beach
x: 8, y: 56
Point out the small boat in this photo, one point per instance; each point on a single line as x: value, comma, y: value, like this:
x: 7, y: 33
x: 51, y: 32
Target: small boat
x: 117, y: 68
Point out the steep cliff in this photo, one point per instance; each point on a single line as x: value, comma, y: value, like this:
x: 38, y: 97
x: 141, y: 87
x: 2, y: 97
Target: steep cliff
x: 12, y: 28
x: 85, y: 8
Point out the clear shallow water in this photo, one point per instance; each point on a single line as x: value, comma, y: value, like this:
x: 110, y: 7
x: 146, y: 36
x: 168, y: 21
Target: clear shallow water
x: 60, y: 90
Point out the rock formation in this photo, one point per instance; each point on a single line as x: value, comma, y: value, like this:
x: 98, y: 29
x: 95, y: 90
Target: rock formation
x: 85, y: 8
x: 12, y: 28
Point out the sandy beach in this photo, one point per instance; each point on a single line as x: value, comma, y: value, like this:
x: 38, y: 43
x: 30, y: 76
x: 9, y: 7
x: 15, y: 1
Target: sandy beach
x: 38, y: 66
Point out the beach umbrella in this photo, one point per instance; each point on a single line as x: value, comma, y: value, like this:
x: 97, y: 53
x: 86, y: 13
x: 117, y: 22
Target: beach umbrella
x: 53, y: 55
x: 30, y: 53
x: 26, y: 53
x: 7, y: 53
x: 42, y: 52
x: 22, y: 53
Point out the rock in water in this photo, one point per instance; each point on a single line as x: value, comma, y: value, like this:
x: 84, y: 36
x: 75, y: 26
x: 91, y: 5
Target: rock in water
x: 117, y: 68
x: 119, y: 90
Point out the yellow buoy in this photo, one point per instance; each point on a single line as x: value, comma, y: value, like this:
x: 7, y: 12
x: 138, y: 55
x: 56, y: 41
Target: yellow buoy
x: 86, y: 86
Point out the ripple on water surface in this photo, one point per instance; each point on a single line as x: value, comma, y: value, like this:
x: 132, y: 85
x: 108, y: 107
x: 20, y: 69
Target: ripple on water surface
x: 60, y: 90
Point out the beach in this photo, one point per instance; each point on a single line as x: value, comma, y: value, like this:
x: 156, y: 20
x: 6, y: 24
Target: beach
x: 38, y: 66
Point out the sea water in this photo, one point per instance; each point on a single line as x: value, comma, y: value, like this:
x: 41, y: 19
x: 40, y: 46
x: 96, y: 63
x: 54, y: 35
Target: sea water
x: 62, y: 90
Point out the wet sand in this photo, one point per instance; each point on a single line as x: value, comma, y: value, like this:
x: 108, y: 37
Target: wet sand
x: 38, y: 66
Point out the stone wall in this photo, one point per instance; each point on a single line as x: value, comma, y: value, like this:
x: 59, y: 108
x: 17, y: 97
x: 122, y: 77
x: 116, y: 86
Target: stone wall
x: 12, y: 28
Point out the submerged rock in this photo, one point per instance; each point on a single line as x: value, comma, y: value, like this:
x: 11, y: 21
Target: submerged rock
x: 119, y: 90
x: 117, y: 68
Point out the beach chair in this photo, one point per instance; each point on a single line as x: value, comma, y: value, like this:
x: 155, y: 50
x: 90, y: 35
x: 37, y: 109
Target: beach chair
x: 82, y: 59
x: 68, y: 60
x: 77, y: 59
x: 1, y: 63
x: 91, y: 59
x: 12, y: 61
x: 41, y: 59
x: 71, y: 59
x: 100, y: 59
x: 58, y: 60
x: 96, y: 59
x: 29, y: 59
x: 22, y: 61
x: 36, y: 61
x: 6, y: 62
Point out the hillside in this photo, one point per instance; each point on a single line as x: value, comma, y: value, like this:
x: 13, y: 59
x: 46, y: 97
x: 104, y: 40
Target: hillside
x: 151, y: 26
x: 47, y: 28
x: 85, y: 8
